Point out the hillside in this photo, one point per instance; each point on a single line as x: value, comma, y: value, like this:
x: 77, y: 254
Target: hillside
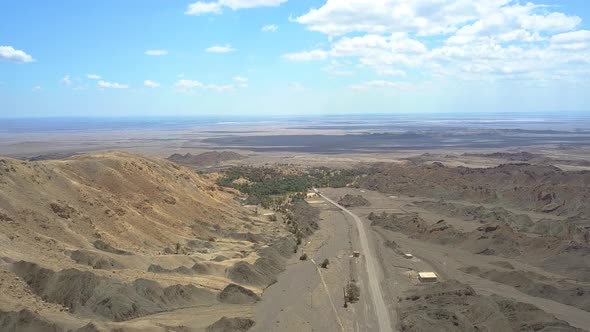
x: 119, y: 237
x: 537, y: 188
x: 210, y: 158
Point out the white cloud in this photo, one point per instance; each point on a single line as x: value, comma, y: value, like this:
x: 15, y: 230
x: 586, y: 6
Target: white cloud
x: 201, y: 8
x: 156, y: 52
x: 571, y: 37
x: 151, y: 84
x: 390, y: 72
x: 241, y: 81
x: 466, y: 39
x: 191, y: 86
x: 553, y: 22
x: 111, y: 85
x: 338, y: 68
x: 9, y: 53
x: 220, y: 49
x: 307, y: 55
x: 515, y: 23
x: 372, y: 50
x: 220, y: 88
x: 93, y: 77
x: 576, y: 41
x: 427, y: 17
x: 241, y: 4
x: 380, y: 84
x: 297, y: 87
x: 270, y: 28
x: 37, y: 88
x: 66, y: 80
x: 338, y: 17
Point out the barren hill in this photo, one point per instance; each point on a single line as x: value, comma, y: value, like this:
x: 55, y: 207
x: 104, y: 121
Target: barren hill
x: 513, y: 156
x: 126, y: 200
x: 78, y: 237
x: 529, y: 187
x: 205, y: 159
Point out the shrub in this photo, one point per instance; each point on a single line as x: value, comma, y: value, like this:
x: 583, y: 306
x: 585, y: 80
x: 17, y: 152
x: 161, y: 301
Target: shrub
x: 325, y: 263
x: 353, y: 292
x: 303, y: 257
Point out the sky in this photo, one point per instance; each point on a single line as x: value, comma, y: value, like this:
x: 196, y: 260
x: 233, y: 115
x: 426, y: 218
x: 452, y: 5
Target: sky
x: 292, y: 57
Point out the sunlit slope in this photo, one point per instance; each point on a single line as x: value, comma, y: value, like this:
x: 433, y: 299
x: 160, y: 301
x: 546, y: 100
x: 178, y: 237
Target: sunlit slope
x: 125, y: 200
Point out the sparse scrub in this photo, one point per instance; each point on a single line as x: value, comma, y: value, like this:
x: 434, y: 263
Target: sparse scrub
x: 352, y: 201
x: 353, y: 292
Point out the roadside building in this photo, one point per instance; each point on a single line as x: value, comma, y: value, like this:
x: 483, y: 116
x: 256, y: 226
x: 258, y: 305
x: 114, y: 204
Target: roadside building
x: 427, y: 277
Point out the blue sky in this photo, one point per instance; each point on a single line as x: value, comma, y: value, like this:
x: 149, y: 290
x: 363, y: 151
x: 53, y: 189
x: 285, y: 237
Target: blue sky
x: 256, y: 57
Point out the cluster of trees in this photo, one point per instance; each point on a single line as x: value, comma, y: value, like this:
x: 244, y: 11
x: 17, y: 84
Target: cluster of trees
x: 326, y: 177
x: 264, y: 184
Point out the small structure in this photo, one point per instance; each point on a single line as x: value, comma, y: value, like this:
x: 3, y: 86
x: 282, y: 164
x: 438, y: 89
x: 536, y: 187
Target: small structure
x: 311, y: 195
x: 427, y: 277
x: 356, y: 254
x: 408, y: 256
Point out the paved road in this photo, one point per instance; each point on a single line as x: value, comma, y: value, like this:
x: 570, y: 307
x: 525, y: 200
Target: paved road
x: 383, y: 319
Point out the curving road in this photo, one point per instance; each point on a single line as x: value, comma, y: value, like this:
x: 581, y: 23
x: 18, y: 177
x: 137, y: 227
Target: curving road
x: 383, y: 319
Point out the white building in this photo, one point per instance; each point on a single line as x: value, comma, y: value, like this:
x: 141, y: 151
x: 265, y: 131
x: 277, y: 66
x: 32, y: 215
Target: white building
x: 427, y: 277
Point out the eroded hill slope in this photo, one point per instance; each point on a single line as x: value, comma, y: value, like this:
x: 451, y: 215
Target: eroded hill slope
x: 117, y: 237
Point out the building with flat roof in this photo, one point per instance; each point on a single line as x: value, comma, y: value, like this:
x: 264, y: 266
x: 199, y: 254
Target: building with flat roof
x: 427, y: 276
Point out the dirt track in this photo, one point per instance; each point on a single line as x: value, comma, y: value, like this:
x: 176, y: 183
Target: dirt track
x: 299, y: 301
x: 373, y: 271
x: 309, y: 298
